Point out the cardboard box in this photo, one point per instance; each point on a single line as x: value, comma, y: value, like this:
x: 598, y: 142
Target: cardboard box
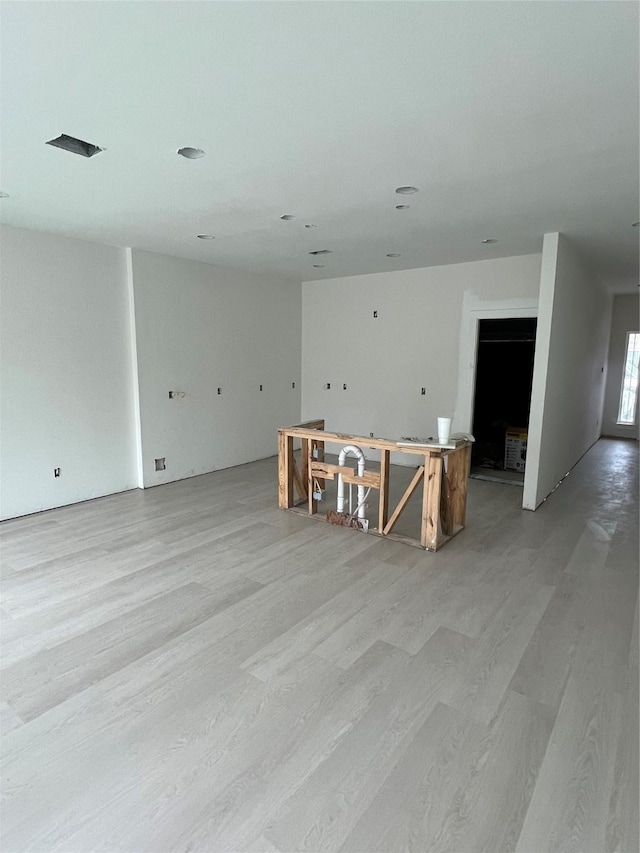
x: 515, y: 449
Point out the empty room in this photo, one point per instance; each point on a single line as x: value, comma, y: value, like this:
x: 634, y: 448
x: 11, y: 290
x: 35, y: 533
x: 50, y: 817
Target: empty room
x: 319, y: 349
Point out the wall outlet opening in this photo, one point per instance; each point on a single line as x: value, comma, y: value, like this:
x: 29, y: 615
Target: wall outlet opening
x: 57, y: 472
x: 161, y: 464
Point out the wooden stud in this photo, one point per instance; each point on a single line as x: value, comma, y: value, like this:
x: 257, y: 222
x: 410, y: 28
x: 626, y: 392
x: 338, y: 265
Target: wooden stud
x: 431, y: 502
x: 320, y: 446
x: 304, y: 460
x: 285, y: 470
x: 313, y: 506
x: 383, y: 503
x: 459, y: 463
x: 446, y: 521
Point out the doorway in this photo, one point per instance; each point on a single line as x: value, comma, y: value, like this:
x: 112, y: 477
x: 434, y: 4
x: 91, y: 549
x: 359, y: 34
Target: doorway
x: 504, y: 374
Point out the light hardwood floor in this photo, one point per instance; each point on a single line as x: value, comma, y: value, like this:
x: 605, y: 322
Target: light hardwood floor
x: 191, y: 669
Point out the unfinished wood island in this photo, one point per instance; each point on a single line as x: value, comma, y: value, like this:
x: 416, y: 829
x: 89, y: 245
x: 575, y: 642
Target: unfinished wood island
x: 443, y: 473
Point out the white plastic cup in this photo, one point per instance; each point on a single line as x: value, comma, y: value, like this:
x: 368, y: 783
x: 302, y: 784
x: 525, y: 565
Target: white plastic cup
x: 444, y: 430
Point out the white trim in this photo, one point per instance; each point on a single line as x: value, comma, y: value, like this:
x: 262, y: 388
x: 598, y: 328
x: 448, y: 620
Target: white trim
x: 474, y: 310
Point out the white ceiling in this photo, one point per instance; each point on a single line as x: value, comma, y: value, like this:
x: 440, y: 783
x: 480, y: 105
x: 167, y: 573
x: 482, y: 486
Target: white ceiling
x: 512, y: 118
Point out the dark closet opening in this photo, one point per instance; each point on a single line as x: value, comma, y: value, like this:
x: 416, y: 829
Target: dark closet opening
x: 504, y: 373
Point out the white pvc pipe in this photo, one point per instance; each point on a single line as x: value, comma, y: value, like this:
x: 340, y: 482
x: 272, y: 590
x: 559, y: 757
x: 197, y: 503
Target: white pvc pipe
x: 351, y: 450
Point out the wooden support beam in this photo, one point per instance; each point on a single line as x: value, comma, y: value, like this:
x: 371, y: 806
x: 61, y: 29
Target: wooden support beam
x: 313, y: 506
x: 413, y: 485
x: 446, y: 521
x: 304, y: 460
x: 329, y: 471
x: 326, y: 470
x: 458, y: 467
x: 319, y: 445
x: 370, y: 479
x: 383, y: 503
x: 317, y: 424
x: 285, y: 470
x: 431, y: 502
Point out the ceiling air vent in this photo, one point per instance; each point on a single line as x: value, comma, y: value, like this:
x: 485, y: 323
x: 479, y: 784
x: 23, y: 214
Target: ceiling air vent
x: 76, y: 146
x: 321, y: 252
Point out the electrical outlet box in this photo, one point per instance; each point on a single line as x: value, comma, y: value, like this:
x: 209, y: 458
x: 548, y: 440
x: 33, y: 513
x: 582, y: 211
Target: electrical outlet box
x: 161, y: 464
x: 57, y: 472
x: 318, y: 495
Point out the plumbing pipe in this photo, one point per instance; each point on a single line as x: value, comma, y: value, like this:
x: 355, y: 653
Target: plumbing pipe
x: 351, y: 450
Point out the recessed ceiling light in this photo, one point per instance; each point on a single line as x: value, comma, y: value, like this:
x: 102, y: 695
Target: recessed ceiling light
x: 309, y: 226
x: 191, y: 153
x: 633, y: 225
x: 403, y: 206
x: 75, y: 146
x: 319, y: 266
x: 287, y: 217
x: 406, y: 190
x: 206, y: 237
x: 489, y: 240
x: 393, y: 255
x: 4, y: 195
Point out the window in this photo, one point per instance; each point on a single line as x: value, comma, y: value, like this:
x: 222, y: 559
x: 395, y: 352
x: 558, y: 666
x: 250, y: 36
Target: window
x: 629, y: 392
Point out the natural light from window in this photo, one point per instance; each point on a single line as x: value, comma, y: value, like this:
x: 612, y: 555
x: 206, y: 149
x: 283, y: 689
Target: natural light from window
x: 629, y: 392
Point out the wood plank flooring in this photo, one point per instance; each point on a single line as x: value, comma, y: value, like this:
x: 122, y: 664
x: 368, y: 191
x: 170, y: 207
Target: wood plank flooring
x: 191, y: 669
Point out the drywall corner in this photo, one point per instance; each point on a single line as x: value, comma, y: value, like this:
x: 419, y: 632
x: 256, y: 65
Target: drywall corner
x: 135, y: 379
x: 540, y: 367
x: 569, y: 370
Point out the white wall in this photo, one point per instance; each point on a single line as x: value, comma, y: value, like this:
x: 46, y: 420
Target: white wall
x: 65, y: 394
x: 200, y: 327
x: 413, y: 343
x: 574, y: 318
x: 624, y: 319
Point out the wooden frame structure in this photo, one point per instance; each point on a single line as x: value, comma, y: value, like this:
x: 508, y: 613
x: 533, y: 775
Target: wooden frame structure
x: 443, y: 472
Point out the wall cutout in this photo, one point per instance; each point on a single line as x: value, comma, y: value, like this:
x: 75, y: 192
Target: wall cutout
x: 161, y: 464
